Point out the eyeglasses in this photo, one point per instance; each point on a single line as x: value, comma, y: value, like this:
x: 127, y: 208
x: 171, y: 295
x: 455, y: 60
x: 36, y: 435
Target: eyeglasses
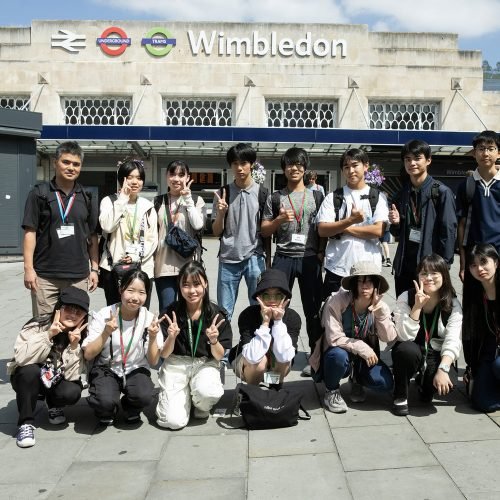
x: 433, y: 276
x: 273, y: 296
x: 489, y: 150
x: 298, y: 166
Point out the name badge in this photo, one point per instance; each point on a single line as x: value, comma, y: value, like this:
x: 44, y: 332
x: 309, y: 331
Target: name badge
x: 66, y: 230
x: 271, y: 378
x: 299, y: 238
x: 132, y: 249
x: 415, y: 235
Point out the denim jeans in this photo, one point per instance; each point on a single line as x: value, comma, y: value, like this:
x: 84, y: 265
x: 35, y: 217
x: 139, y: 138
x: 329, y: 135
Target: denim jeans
x: 166, y: 289
x: 229, y: 278
x: 337, y: 365
x: 486, y: 389
x: 307, y: 270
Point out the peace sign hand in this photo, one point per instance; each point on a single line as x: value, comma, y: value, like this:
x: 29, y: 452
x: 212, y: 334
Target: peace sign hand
x: 279, y: 310
x: 186, y: 186
x: 265, y: 311
x: 212, y: 332
x: 112, y: 323
x: 376, y: 302
x: 173, y: 328
x: 222, y: 206
x: 56, y: 327
x: 76, y: 334
x: 421, y: 298
x: 154, y: 326
x: 125, y: 189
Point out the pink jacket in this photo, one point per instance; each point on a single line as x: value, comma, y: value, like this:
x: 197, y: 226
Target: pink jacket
x: 334, y: 335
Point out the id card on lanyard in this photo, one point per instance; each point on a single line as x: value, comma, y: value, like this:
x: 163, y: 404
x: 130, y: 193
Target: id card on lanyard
x: 428, y: 333
x: 193, y: 344
x: 299, y: 217
x: 125, y: 351
x: 66, y: 229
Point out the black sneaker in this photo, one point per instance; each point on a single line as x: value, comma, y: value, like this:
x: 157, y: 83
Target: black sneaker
x: 400, y: 407
x: 25, y: 436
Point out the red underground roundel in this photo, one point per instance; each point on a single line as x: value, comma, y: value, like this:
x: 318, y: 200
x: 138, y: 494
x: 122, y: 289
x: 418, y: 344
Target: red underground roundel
x: 113, y: 45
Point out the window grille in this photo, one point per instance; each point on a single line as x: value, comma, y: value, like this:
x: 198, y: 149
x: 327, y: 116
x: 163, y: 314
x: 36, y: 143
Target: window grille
x: 97, y: 110
x: 14, y: 102
x: 198, y: 112
x: 301, y: 114
x: 404, y: 115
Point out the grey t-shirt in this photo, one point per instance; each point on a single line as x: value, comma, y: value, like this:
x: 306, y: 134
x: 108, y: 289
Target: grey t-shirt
x: 306, y: 227
x: 241, y: 236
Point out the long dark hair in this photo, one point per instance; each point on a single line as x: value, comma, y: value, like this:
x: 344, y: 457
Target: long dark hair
x: 474, y: 292
x: 434, y: 263
x: 353, y: 288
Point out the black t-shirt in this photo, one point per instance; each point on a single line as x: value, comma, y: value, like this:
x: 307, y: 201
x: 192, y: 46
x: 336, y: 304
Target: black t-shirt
x: 182, y: 346
x: 55, y: 257
x: 250, y: 320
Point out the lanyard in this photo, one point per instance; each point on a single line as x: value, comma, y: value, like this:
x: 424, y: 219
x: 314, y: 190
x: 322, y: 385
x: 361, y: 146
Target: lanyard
x: 64, y: 211
x: 131, y: 227
x: 298, y: 216
x: 125, y: 352
x: 495, y: 330
x: 428, y: 333
x: 412, y: 207
x: 359, y: 324
x: 170, y: 212
x: 190, y: 336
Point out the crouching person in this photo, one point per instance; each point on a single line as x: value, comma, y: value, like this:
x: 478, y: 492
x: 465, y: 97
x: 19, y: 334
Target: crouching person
x: 269, y: 333
x: 354, y: 319
x: 197, y: 335
x: 48, y: 361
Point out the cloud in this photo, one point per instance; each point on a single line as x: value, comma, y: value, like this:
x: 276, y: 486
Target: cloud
x: 468, y: 18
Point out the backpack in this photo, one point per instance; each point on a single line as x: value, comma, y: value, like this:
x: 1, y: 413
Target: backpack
x: 338, y: 199
x: 468, y: 193
x: 163, y: 199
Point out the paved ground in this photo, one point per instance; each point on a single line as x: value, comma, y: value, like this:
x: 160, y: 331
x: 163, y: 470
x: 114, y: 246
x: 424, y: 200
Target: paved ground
x: 441, y: 451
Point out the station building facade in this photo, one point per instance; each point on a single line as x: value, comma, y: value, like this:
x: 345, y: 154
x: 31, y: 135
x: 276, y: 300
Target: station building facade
x: 170, y: 90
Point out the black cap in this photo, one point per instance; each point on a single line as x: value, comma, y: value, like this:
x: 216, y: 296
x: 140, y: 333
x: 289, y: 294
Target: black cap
x: 272, y: 278
x: 76, y: 297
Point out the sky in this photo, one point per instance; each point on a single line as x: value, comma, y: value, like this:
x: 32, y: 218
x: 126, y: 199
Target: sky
x: 477, y: 22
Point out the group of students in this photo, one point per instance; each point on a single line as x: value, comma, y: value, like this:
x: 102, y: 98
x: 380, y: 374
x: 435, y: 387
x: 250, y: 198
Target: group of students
x: 192, y: 334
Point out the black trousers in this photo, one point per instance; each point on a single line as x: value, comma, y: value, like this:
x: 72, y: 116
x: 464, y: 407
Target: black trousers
x: 407, y: 360
x: 106, y: 387
x: 27, y: 384
x: 111, y: 288
x: 331, y: 283
x: 404, y: 282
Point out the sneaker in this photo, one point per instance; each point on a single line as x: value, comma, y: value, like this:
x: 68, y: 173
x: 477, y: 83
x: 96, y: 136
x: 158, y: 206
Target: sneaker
x: 334, y: 401
x: 132, y: 418
x: 306, y: 372
x: 25, y: 436
x: 358, y: 393
x: 383, y: 260
x: 106, y: 421
x: 56, y: 416
x: 388, y: 263
x: 197, y: 413
x: 400, y: 407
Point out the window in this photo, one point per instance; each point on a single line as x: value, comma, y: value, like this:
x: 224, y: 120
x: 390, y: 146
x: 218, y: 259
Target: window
x: 97, y: 110
x: 14, y: 102
x: 299, y: 114
x: 404, y: 115
x: 198, y: 112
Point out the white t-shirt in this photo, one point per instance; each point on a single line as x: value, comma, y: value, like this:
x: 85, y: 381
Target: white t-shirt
x: 342, y: 253
x: 138, y: 348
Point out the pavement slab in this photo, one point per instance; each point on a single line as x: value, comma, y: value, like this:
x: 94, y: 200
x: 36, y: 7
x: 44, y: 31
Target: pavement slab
x: 208, y: 489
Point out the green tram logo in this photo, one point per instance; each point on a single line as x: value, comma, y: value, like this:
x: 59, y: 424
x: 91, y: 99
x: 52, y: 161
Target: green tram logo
x: 158, y: 42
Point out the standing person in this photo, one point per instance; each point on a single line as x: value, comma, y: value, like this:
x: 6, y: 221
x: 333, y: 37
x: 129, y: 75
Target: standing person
x: 186, y: 212
x: 48, y: 361
x: 355, y: 319
x: 60, y: 239
x: 124, y: 339
x: 290, y: 214
x: 429, y: 323
x: 478, y: 198
x: 353, y: 218
x: 481, y: 328
x: 129, y: 226
x: 269, y: 333
x: 310, y: 179
x: 237, y: 213
x: 422, y: 215
x: 197, y: 334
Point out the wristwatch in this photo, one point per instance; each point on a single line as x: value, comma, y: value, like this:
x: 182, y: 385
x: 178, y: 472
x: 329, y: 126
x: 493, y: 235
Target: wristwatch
x: 444, y: 367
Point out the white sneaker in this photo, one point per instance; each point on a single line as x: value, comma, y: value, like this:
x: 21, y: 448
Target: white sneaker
x: 56, y: 416
x: 334, y: 401
x: 25, y: 436
x: 197, y: 413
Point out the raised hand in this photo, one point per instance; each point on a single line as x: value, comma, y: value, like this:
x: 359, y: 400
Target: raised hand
x: 186, y: 186
x: 112, y: 323
x: 154, y: 326
x: 376, y: 302
x: 421, y: 298
x: 76, y: 334
x: 356, y: 216
x: 56, y: 327
x: 125, y: 187
x: 173, y: 328
x: 222, y: 206
x: 279, y: 310
x: 393, y: 215
x: 212, y: 332
x: 265, y: 311
x: 285, y: 215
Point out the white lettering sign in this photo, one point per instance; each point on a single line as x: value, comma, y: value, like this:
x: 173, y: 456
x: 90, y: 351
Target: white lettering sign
x: 260, y: 46
x: 68, y: 40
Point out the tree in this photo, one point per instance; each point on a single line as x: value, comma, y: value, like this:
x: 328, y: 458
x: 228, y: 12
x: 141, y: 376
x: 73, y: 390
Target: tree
x: 486, y: 66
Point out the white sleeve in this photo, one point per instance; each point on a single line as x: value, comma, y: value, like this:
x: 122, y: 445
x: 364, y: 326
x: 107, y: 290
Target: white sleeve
x: 96, y: 325
x: 195, y: 212
x: 282, y: 346
x: 257, y: 348
x: 326, y: 211
x: 381, y: 210
x: 406, y: 327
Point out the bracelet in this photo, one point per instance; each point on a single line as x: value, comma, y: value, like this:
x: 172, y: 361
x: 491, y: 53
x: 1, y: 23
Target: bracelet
x: 94, y: 271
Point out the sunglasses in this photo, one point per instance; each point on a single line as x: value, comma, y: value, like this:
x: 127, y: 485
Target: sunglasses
x: 273, y: 296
